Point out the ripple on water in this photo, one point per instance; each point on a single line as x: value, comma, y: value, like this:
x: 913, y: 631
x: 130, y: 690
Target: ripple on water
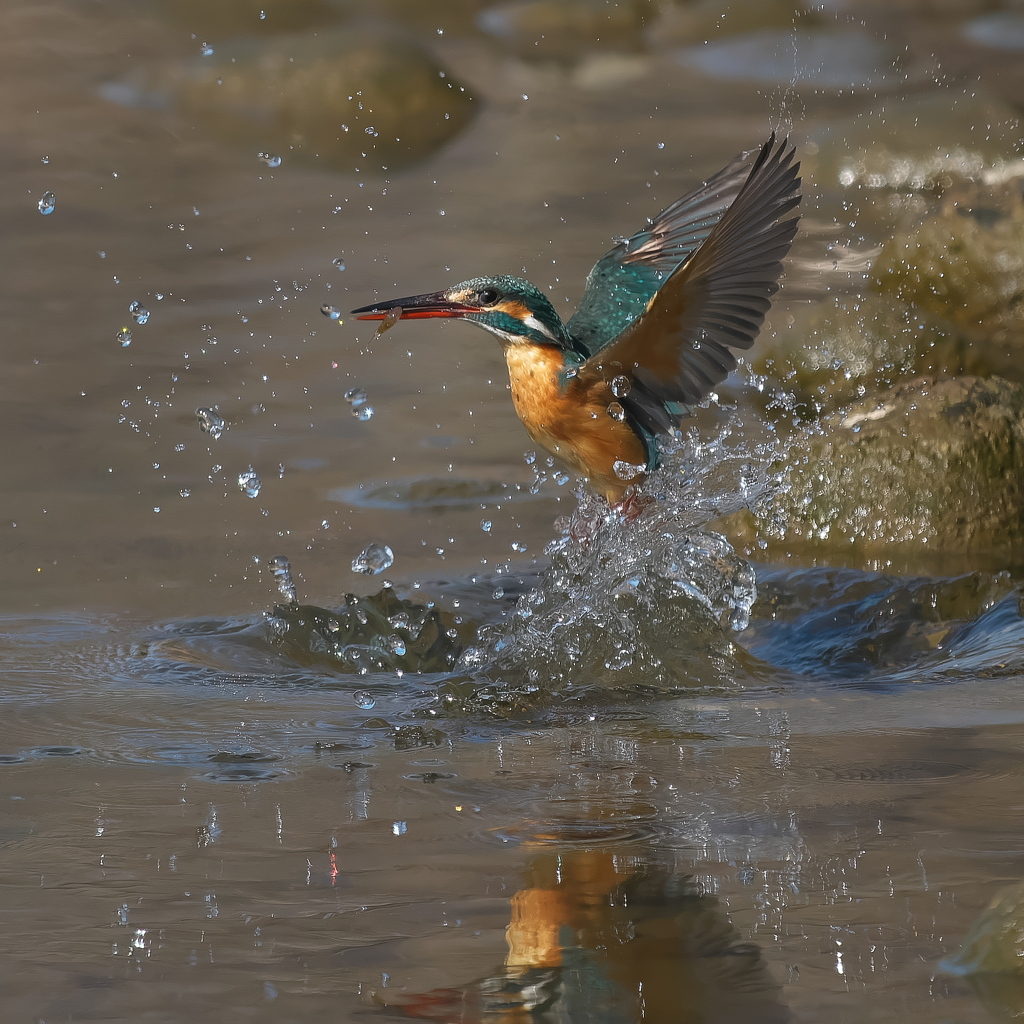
x: 914, y: 772
x: 236, y: 772
x: 558, y: 832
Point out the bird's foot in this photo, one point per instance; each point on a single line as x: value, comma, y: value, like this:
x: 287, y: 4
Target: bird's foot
x: 633, y: 505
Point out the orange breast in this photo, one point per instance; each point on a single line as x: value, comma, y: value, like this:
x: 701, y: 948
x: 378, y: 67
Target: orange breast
x: 571, y: 419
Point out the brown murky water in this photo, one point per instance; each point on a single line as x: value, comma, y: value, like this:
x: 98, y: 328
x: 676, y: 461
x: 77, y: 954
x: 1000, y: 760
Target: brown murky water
x: 202, y: 830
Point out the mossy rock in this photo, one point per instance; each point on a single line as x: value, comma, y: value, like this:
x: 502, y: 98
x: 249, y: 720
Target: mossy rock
x: 933, y: 464
x: 346, y: 101
x: 965, y: 262
x: 837, y: 351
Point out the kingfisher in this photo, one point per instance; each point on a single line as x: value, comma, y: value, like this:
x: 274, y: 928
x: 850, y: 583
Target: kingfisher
x: 656, y: 329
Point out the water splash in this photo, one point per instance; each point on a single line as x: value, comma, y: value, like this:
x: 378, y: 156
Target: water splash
x: 139, y: 313
x: 373, y: 559
x: 282, y: 570
x: 249, y: 482
x: 646, y: 593
x: 210, y: 423
x: 357, y: 398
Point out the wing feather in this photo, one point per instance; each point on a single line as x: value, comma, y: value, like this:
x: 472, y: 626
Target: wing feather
x: 623, y: 281
x: 681, y: 346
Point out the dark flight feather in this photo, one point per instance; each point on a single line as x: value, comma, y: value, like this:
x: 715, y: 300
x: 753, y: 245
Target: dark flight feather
x: 623, y: 281
x: 681, y: 346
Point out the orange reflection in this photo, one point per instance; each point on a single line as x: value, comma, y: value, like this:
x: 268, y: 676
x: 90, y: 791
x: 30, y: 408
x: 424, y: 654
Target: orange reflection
x: 604, y: 938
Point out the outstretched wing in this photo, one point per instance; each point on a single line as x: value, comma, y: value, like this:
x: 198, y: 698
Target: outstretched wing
x: 624, y: 279
x: 681, y: 347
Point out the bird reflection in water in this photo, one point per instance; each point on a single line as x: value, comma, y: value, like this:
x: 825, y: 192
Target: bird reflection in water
x: 603, y: 938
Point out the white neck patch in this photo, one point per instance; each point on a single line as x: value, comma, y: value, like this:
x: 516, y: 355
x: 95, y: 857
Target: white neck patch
x: 534, y: 324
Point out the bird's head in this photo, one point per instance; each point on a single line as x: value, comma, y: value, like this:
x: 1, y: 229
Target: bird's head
x: 509, y: 307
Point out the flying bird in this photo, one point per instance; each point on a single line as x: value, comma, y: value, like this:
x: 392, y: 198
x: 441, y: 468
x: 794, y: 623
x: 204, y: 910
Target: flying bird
x: 656, y: 329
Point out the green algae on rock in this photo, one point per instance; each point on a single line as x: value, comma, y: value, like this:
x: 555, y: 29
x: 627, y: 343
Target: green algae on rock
x: 935, y: 463
x: 341, y: 100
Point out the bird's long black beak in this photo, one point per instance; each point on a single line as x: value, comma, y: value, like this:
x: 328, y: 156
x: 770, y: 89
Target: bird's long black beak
x: 415, y: 307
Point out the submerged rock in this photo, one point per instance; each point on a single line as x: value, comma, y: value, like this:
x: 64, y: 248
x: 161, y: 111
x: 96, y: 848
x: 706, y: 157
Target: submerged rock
x: 347, y: 101
x: 930, y: 462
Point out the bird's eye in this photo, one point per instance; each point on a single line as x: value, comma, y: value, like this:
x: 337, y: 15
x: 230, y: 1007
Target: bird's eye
x: 488, y: 297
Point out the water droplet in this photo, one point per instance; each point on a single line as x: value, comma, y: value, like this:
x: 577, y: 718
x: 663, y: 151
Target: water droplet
x: 485, y: 525
x: 124, y: 337
x: 373, y: 559
x: 616, y: 411
x: 206, y: 50
x: 185, y: 492
x: 338, y: 262
x: 661, y: 145
x: 139, y: 312
x: 269, y: 159
x: 518, y: 545
x: 627, y: 470
x: 399, y: 828
x: 620, y: 659
x: 364, y: 699
x: 47, y: 204
x: 210, y: 423
x: 621, y: 386
x: 282, y: 570
x: 560, y: 477
x: 395, y: 644
x: 498, y: 594
x: 331, y: 312
x: 249, y: 482
x: 356, y: 397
